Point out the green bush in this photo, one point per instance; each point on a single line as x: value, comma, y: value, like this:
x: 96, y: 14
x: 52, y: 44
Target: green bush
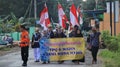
x: 113, y: 45
x: 111, y: 55
x: 111, y: 59
x: 105, y: 35
x: 112, y: 42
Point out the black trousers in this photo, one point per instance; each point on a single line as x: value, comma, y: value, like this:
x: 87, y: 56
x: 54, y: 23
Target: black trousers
x: 94, y: 51
x: 25, y: 54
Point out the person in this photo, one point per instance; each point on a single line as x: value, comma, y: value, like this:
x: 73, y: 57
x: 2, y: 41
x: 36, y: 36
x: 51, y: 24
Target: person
x: 24, y: 44
x: 76, y: 33
x: 35, y: 44
x: 43, y: 48
x: 60, y: 34
x: 94, y: 41
x: 8, y: 39
x: 50, y: 32
x: 5, y: 37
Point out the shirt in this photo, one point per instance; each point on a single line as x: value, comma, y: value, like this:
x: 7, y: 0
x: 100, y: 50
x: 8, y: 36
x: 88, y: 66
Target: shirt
x: 24, y: 41
x: 94, y: 39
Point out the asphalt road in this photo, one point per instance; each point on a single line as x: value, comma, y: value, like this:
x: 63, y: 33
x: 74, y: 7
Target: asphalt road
x: 14, y: 60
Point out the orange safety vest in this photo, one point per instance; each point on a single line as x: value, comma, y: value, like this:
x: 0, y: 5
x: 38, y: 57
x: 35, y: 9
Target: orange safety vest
x: 24, y: 41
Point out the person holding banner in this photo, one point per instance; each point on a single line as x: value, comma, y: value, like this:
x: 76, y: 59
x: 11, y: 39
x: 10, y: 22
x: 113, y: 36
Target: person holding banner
x: 50, y: 32
x: 94, y: 41
x: 76, y: 33
x: 35, y: 44
x: 60, y: 34
x: 44, y: 48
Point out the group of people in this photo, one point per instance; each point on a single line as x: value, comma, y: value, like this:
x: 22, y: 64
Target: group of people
x: 38, y: 38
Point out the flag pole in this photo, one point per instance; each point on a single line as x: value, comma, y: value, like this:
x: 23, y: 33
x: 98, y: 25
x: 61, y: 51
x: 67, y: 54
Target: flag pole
x: 111, y: 17
x: 35, y: 11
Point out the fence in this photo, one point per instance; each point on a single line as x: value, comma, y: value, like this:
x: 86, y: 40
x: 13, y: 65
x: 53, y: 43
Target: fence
x: 16, y: 35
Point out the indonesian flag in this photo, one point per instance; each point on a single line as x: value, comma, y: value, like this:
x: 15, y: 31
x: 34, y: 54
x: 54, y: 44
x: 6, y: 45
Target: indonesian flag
x: 44, y: 18
x: 81, y: 19
x: 73, y: 16
x: 79, y: 14
x: 62, y: 16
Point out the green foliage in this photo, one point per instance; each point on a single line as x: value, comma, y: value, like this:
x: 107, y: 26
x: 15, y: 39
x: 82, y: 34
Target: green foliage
x: 105, y: 35
x: 113, y: 45
x: 111, y: 55
x: 112, y: 42
x: 111, y: 59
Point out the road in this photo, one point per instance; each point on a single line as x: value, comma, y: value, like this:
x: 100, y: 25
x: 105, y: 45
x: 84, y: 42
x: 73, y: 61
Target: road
x: 14, y: 60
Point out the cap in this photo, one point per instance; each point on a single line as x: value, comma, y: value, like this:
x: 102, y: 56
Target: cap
x: 23, y: 26
x: 49, y: 26
x: 36, y: 29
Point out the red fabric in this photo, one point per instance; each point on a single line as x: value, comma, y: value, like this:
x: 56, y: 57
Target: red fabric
x: 44, y: 18
x: 74, y: 11
x: 62, y: 17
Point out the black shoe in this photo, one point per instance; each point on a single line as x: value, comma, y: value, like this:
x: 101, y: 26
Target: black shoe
x: 44, y: 63
x: 48, y: 61
x: 37, y: 61
x: 24, y: 64
x: 60, y: 62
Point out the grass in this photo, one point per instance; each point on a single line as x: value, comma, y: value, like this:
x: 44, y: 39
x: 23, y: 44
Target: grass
x: 7, y: 48
x: 111, y: 59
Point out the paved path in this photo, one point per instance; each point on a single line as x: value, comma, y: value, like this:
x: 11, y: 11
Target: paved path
x: 14, y: 60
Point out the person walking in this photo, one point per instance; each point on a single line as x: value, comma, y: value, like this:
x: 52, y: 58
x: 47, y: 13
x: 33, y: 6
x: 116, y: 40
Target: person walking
x: 35, y: 44
x: 44, y: 48
x: 50, y: 32
x: 94, y: 41
x: 60, y: 34
x: 24, y: 44
x: 76, y: 33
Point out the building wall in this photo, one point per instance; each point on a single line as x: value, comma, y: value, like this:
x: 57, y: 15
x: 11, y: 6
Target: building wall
x: 105, y: 24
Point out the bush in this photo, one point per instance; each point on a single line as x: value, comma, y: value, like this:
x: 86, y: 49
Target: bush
x: 112, y: 42
x: 105, y: 36
x: 111, y: 59
x: 111, y: 55
x: 113, y: 45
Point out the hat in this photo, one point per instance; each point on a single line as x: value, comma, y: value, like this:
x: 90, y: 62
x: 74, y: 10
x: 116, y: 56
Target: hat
x: 36, y: 29
x: 23, y: 26
x: 49, y: 26
x: 76, y: 26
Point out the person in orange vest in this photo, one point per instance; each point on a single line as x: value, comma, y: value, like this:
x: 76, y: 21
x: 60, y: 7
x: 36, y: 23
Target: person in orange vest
x: 24, y: 44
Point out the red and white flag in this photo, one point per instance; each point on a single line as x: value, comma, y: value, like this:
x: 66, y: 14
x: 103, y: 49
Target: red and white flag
x: 79, y: 14
x: 62, y: 17
x: 81, y: 19
x: 73, y: 16
x: 44, y: 18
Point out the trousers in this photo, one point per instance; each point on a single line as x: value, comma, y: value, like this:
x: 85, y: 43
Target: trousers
x: 25, y: 53
x: 37, y: 53
x: 94, y: 51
